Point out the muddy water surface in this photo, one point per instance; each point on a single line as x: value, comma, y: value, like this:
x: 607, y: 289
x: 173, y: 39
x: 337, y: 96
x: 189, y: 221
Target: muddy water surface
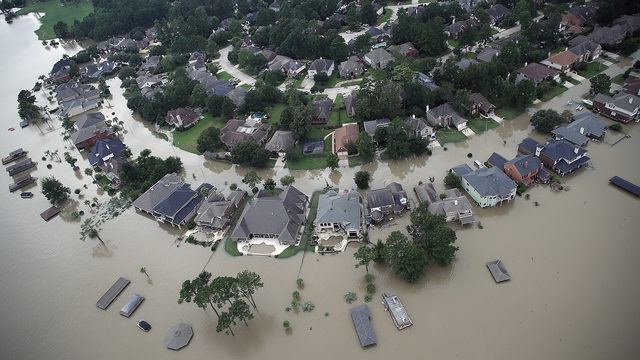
x: 573, y: 259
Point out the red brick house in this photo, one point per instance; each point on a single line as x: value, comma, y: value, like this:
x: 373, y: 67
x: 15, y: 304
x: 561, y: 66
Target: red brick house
x: 621, y: 107
x: 481, y: 104
x: 523, y: 169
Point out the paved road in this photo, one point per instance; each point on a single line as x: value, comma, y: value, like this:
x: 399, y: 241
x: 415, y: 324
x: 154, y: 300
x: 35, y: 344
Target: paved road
x: 226, y: 66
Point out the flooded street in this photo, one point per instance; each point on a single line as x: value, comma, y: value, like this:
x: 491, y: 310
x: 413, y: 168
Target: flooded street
x: 573, y: 259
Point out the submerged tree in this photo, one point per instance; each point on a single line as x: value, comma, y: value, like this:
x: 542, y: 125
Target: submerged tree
x: 225, y: 320
x: 143, y: 270
x: 239, y: 309
x: 248, y: 282
x: 89, y: 229
x: 364, y: 255
x: 54, y: 191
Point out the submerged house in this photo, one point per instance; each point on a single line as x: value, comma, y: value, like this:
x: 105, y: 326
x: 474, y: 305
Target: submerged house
x: 279, y: 217
x: 487, y: 186
x: 560, y: 156
x: 340, y: 213
x: 180, y: 205
x: 89, y: 129
x: 523, y: 169
x: 585, y: 126
x: 621, y: 107
x: 391, y: 199
x: 455, y: 206
x: 216, y: 210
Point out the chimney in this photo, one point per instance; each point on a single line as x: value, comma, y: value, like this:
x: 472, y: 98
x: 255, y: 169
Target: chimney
x: 526, y: 163
x: 582, y: 130
x: 454, y: 20
x: 525, y: 64
x: 575, y: 150
x: 630, y: 100
x: 413, y: 116
x: 549, y: 54
x: 455, y: 202
x: 427, y: 108
x: 538, y: 150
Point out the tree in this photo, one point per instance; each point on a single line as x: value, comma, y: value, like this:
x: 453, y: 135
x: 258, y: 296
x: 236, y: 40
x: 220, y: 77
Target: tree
x: 379, y: 252
x: 249, y: 153
x: 546, y: 120
x: 452, y: 180
x: 440, y: 245
x: 54, y: 191
x: 143, y: 270
x: 332, y: 161
x: 406, y: 258
x: 362, y: 179
x: 367, y: 13
x: 352, y: 16
x: 269, y: 185
x: 287, y: 180
x: 510, y: 54
x: 338, y: 50
x: 251, y: 179
x: 600, y: 84
x: 225, y: 320
x: 209, y: 140
x: 240, y: 310
x: 350, y: 297
x: 74, y: 69
x: 198, y: 291
x: 61, y: 29
x: 89, y: 229
x: 300, y: 122
x: 366, y: 147
x: 286, y: 324
x: 364, y: 255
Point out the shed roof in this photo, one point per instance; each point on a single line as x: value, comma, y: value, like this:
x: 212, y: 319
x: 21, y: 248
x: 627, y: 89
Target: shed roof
x: 498, y: 271
x: 361, y: 320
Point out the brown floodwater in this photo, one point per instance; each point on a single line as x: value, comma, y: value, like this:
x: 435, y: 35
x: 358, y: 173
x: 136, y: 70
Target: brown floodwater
x: 573, y: 259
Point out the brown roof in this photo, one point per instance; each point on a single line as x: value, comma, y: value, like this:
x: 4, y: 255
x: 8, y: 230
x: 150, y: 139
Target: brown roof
x: 563, y: 58
x: 537, y: 71
x: 632, y: 87
x: 480, y: 100
x: 343, y: 135
x: 49, y: 213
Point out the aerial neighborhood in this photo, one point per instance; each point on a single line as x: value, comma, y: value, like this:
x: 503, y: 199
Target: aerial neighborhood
x: 281, y: 95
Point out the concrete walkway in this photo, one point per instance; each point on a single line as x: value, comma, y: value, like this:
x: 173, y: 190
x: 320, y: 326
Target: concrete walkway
x: 226, y: 66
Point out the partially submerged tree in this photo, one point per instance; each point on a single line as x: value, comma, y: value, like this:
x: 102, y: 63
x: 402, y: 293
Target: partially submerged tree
x: 364, y: 255
x: 54, y: 191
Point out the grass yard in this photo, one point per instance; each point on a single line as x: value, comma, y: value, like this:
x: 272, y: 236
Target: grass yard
x: 509, y: 113
x: 246, y: 86
x: 592, y: 69
x: 298, y: 81
x: 357, y: 160
x: 377, y: 74
x: 453, y: 43
x: 385, y: 16
x: 313, y: 162
x: 573, y: 81
x: 337, y: 104
x: 445, y: 136
x: 308, y: 230
x: 618, y: 79
x: 471, y: 55
x: 478, y: 125
x: 318, y: 132
x: 54, y: 12
x: 224, y: 75
x: 275, y: 112
x: 553, y: 92
x: 188, y: 140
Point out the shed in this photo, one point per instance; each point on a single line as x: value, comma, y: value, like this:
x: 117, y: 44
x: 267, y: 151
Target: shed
x: 361, y: 320
x: 131, y: 305
x: 50, y: 213
x: 178, y: 336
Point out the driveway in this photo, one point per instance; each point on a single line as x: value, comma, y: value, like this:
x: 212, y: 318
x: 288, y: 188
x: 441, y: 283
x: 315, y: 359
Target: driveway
x: 226, y: 66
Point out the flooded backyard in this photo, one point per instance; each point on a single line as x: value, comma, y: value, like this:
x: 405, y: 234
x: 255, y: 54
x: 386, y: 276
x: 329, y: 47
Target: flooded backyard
x: 572, y: 258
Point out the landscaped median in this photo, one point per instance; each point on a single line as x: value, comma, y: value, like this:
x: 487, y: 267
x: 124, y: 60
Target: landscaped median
x: 308, y: 229
x: 54, y: 12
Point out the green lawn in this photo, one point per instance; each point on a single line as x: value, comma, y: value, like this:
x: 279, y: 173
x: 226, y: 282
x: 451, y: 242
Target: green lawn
x: 377, y: 74
x: 275, y: 112
x: 471, y: 55
x: 333, y: 80
x: 553, y: 92
x: 478, y: 125
x: 509, y: 113
x: 246, y: 86
x: 308, y: 230
x: 445, y: 136
x: 618, y: 79
x: 337, y: 104
x: 334, y: 118
x: 610, y: 59
x: 224, y: 75
x: 453, y: 43
x: 54, y: 12
x: 188, y: 140
x: 385, y: 16
x: 313, y: 162
x: 298, y: 81
x: 573, y: 81
x: 357, y: 160
x: 318, y: 132
x: 592, y: 69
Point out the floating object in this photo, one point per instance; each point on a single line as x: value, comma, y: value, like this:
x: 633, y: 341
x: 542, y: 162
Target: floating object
x: 144, y: 326
x: 361, y: 320
x: 498, y: 271
x: 397, y: 311
x: 49, y: 213
x: 131, y: 305
x: 24, y: 123
x: 588, y: 102
x: 625, y: 185
x: 112, y: 293
x: 13, y: 156
x: 22, y: 181
x: 178, y: 336
x: 26, y: 195
x: 11, y: 129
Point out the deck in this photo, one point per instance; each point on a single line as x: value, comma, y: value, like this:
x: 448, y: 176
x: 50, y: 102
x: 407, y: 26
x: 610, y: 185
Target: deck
x: 397, y: 311
x: 23, y: 165
x: 625, y: 185
x: 112, y: 293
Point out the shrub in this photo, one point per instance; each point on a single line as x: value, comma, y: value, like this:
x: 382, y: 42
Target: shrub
x: 286, y: 324
x: 350, y: 297
x: 527, y: 196
x: 443, y: 196
x: 615, y: 127
x: 191, y: 224
x: 49, y: 166
x: 308, y: 306
x: 296, y: 295
x: 469, y: 155
x: 371, y: 288
x: 254, y: 190
x: 233, y: 186
x: 368, y: 298
x: 362, y: 179
x: 452, y: 180
x: 77, y: 191
x: 368, y: 278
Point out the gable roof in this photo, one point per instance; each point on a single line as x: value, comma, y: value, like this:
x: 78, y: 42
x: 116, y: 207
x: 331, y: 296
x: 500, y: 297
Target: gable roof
x: 481, y: 101
x: 608, y: 35
x: 360, y: 317
x: 349, y: 102
x: 627, y: 102
x: 280, y: 141
x: 563, y: 58
x: 537, y: 72
x: 436, y: 115
x: 350, y: 67
x: 417, y: 123
x: 323, y: 107
x: 345, y: 134
x: 562, y: 149
x: 490, y: 182
x: 528, y: 145
x: 321, y: 65
x: 525, y: 164
x: 459, y: 26
x: 237, y: 95
x: 340, y: 208
x: 498, y: 12
x: 181, y: 117
x: 374, y: 31
x: 488, y: 54
x: 379, y: 55
x: 90, y: 119
x: 584, y: 47
x: 155, y: 194
x: 372, y: 125
x: 497, y: 160
x: 240, y: 130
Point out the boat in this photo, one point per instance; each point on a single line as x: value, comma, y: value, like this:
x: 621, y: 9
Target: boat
x: 588, y: 102
x: 144, y: 326
x: 11, y: 129
x: 26, y: 195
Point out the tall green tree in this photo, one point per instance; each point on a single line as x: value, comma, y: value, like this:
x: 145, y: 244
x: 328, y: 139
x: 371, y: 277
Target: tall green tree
x: 269, y: 184
x: 198, y: 291
x: 546, y: 120
x: 209, y: 140
x: 367, y: 13
x: 251, y: 178
x: 249, y: 153
x: 407, y: 259
x: 600, y: 84
x: 366, y: 147
x: 225, y: 320
x: 332, y: 161
x: 248, y: 283
x: 53, y: 190
x: 362, y: 178
x: 364, y: 255
x: 239, y: 309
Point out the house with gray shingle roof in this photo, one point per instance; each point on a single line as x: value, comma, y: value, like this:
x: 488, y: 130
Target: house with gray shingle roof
x: 292, y: 68
x: 349, y: 102
x: 391, y: 199
x: 324, y: 106
x: 215, y: 212
x: 273, y: 217
x: 419, y: 127
x: 488, y: 54
x: 497, y: 13
x: 236, y: 131
x: 486, y: 186
x: 621, y: 107
x: 105, y: 150
x: 446, y: 115
x: 321, y: 66
x: 608, y: 35
x: 281, y: 141
x: 454, y: 206
x: 179, y: 206
x: 361, y: 320
x: 350, y: 69
x: 378, y: 58
x: 237, y: 95
x: 585, y: 126
x: 340, y: 213
x: 91, y: 128
x: 454, y: 30
x: 371, y: 126
x: 558, y: 155
x: 152, y: 197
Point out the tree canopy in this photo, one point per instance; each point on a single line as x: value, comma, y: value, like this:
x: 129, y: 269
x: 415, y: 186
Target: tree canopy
x: 53, y: 190
x: 546, y: 120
